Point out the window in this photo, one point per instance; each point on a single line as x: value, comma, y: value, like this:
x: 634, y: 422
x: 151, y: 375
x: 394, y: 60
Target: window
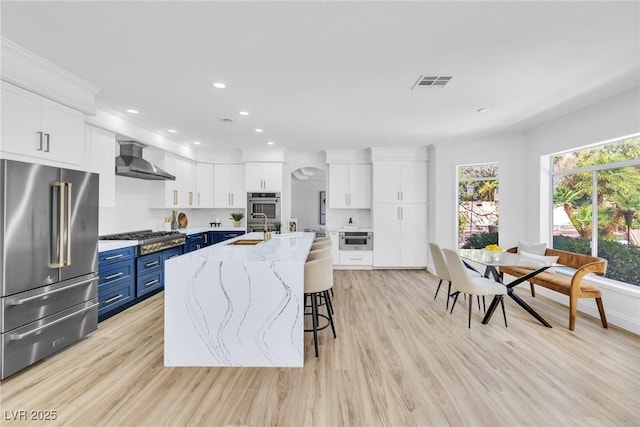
x: 596, y: 205
x: 477, y: 205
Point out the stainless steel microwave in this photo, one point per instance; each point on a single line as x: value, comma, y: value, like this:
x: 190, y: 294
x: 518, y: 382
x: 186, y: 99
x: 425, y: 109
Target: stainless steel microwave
x: 356, y: 241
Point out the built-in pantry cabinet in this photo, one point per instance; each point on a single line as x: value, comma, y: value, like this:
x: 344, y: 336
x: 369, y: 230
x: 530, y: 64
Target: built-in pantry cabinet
x: 349, y: 186
x: 41, y: 130
x: 204, y: 184
x: 228, y: 186
x: 263, y: 177
x: 400, y: 182
x: 101, y: 145
x: 400, y: 235
x: 399, y: 210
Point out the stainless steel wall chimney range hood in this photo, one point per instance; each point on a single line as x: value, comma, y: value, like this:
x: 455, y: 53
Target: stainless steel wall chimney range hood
x: 130, y: 163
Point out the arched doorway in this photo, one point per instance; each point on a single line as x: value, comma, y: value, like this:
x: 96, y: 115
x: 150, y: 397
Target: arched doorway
x: 308, y: 198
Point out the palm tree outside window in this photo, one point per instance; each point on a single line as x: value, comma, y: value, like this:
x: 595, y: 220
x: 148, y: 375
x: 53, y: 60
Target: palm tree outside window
x: 596, y: 205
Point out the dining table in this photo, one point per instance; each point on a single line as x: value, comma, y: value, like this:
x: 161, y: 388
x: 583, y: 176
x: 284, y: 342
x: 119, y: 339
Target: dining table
x: 492, y: 261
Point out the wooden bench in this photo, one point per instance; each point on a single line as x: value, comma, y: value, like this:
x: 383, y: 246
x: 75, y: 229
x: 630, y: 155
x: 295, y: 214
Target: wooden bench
x: 573, y: 286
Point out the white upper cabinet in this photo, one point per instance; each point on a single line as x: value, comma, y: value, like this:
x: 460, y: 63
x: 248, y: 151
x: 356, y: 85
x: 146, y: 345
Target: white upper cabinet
x: 229, y: 186
x: 349, y: 186
x: 102, y: 160
x: 188, y: 184
x: 263, y: 177
x: 180, y: 193
x: 36, y: 127
x: 400, y: 182
x: 204, y: 197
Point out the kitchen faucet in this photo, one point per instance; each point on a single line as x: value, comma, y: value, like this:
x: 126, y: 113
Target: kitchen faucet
x: 267, y: 235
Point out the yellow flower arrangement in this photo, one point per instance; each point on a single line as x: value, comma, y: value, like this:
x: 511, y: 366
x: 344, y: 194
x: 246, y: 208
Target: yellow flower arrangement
x: 493, y: 248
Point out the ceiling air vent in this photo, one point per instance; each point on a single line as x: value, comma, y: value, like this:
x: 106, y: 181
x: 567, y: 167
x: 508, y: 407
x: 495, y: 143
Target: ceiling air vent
x: 432, y: 81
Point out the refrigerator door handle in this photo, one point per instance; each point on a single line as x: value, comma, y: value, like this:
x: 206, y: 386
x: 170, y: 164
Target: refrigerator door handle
x: 21, y: 301
x: 68, y: 260
x: 15, y: 337
x: 58, y: 238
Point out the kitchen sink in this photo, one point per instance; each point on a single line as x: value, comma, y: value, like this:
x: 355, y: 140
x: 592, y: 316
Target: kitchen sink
x: 246, y: 242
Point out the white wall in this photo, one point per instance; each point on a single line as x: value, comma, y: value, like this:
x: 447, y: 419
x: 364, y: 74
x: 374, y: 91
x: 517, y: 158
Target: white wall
x: 132, y: 212
x: 508, y: 152
x: 616, y: 117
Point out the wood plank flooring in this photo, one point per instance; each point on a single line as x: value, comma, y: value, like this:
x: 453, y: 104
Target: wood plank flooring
x: 399, y: 360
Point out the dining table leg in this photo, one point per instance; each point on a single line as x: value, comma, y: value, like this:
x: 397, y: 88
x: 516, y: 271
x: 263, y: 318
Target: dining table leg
x: 492, y: 307
x: 514, y: 296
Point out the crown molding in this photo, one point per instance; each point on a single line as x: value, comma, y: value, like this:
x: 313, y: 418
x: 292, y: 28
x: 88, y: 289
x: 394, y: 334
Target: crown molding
x: 413, y: 154
x: 27, y: 70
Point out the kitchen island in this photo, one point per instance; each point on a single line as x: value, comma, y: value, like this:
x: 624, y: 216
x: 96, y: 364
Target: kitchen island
x: 235, y: 304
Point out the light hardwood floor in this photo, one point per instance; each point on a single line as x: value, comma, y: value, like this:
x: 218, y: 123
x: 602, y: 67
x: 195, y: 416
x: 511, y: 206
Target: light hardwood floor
x: 399, y: 360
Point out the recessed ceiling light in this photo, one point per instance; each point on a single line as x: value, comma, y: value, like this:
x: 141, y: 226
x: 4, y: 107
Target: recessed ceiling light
x: 259, y: 130
x: 219, y: 85
x: 483, y: 110
x: 243, y: 113
x: 270, y: 142
x: 132, y: 111
x: 172, y: 130
x: 197, y: 142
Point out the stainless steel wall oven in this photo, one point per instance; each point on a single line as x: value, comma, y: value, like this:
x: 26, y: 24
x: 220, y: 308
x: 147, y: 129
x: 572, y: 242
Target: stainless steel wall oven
x: 263, y: 203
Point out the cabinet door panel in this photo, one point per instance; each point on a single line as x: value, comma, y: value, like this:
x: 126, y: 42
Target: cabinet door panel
x: 64, y: 133
x: 272, y: 176
x: 188, y: 184
x: 221, y: 186
x: 21, y: 121
x: 204, y: 196
x: 254, y: 177
x: 338, y: 186
x: 102, y: 148
x: 238, y: 187
x: 360, y: 186
x: 385, y: 236
x: 385, y: 183
x: 413, y: 182
x: 413, y: 235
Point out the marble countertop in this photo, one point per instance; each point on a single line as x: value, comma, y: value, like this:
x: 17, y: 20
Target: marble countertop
x: 196, y: 230
x: 109, y: 245
x: 237, y: 305
x: 337, y: 230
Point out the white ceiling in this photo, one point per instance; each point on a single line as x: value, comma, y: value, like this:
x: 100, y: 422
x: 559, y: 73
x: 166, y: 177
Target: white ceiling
x: 327, y: 75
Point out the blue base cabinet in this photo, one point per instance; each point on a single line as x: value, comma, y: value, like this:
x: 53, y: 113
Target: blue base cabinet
x: 116, y: 286
x: 221, y: 236
x: 126, y: 280
x: 196, y: 241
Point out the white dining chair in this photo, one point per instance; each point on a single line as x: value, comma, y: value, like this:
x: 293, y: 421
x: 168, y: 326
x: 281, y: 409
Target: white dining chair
x: 464, y: 283
x: 442, y: 270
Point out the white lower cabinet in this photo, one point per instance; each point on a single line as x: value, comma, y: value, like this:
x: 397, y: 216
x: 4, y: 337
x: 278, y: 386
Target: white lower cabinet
x: 335, y: 247
x: 400, y: 235
x: 364, y: 258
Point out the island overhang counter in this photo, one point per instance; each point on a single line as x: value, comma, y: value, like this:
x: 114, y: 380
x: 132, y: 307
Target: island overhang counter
x: 237, y: 305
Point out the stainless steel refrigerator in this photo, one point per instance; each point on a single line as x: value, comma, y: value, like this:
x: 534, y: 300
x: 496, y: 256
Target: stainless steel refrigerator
x: 48, y: 261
